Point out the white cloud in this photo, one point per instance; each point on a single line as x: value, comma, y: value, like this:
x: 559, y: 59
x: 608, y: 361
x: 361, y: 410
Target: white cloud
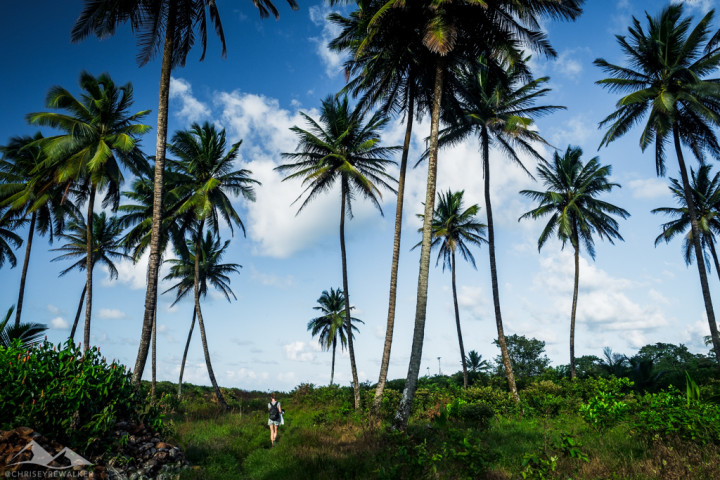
x: 271, y: 280
x: 191, y: 109
x: 649, y: 188
x: 301, y: 351
x: 576, y: 131
x: 703, y: 5
x: 333, y: 61
x: 53, y: 309
x: 59, y: 323
x: 567, y: 65
x: 111, y: 313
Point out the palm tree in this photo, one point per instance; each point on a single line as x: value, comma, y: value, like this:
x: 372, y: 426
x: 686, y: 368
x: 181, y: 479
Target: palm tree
x: 26, y: 333
x: 476, y: 363
x: 172, y: 24
x: 341, y: 148
x: 9, y: 240
x: 100, y: 137
x: 397, y: 76
x: 205, y: 165
x: 106, y: 242
x: 29, y: 191
x: 453, y: 228
x: 706, y: 198
x: 499, y: 107
x: 329, y: 326
x: 575, y: 212
x: 667, y: 80
x: 210, y: 271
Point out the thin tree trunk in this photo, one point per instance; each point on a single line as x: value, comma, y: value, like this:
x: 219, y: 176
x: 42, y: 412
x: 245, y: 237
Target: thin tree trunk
x: 332, y: 368
x: 346, y: 291
x: 698, y: 249
x: 457, y: 324
x: 26, y: 262
x: 403, y: 413
x: 715, y: 257
x: 576, y: 284
x: 89, y: 266
x: 385, y: 362
x: 77, y: 314
x: 153, y: 381
x: 493, y: 270
x: 187, y: 346
x: 201, y: 324
x: 158, y: 186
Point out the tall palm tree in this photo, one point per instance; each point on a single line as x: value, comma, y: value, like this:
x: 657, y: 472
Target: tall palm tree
x: 9, y: 240
x: 210, y: 271
x: 100, y: 136
x: 205, y: 164
x: 575, y: 212
x: 498, y: 107
x: 343, y: 148
x: 666, y: 80
x: 476, y: 363
x: 706, y: 198
x: 172, y: 24
x: 29, y: 191
x: 453, y: 229
x: 105, y: 248
x: 396, y: 76
x: 329, y: 326
x: 26, y: 333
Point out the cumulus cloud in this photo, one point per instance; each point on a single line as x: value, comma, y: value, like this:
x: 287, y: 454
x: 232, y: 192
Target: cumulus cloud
x: 649, y: 188
x: 702, y: 5
x: 576, y: 131
x: 567, y: 63
x: 271, y: 280
x: 53, y: 309
x: 191, y: 109
x: 59, y: 323
x: 111, y: 313
x: 301, y: 351
x: 333, y: 61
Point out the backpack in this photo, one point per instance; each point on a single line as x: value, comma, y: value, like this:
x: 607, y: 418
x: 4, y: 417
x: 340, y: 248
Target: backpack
x: 274, y: 412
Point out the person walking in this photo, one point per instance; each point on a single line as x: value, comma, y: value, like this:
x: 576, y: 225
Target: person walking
x: 275, y: 417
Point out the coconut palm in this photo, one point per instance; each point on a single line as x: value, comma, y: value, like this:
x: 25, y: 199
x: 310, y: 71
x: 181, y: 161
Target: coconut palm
x: 205, y: 166
x: 105, y: 248
x: 100, y: 136
x: 329, y: 326
x: 575, y: 212
x: 706, y: 198
x: 343, y: 148
x: 499, y: 107
x: 210, y: 272
x: 172, y: 24
x: 476, y: 363
x: 30, y: 193
x: 25, y: 333
x: 454, y: 229
x: 9, y: 240
x: 666, y: 82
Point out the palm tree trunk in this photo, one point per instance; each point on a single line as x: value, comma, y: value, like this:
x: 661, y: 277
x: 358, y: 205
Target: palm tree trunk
x: 201, y: 324
x: 457, y: 323
x: 158, y: 185
x: 332, y: 367
x: 26, y: 262
x: 403, y: 413
x: 715, y: 257
x: 698, y: 249
x: 153, y: 382
x: 77, y: 314
x: 187, y: 346
x: 493, y: 269
x: 89, y: 266
x: 385, y: 362
x: 574, y: 308
x: 351, y: 350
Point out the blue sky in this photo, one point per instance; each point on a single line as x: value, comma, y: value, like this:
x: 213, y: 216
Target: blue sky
x: 631, y: 295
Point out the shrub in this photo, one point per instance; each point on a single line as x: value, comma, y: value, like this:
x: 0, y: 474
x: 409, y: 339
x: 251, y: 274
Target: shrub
x: 73, y: 396
x: 604, y: 410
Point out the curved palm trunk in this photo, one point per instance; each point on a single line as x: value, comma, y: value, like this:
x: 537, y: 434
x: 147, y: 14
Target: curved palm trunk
x: 89, y: 267
x: 574, y: 310
x: 493, y: 269
x: 77, y: 314
x: 715, y: 257
x: 332, y: 368
x: 153, y: 382
x: 155, y: 253
x: 385, y: 362
x: 201, y: 324
x: 698, y: 249
x: 26, y: 262
x: 187, y: 346
x: 351, y: 350
x: 403, y: 413
x: 457, y: 324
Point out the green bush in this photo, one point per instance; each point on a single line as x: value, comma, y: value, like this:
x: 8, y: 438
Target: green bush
x: 71, y: 396
x: 604, y: 410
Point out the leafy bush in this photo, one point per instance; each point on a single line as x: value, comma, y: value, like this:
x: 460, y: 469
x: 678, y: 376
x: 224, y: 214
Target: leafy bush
x: 604, y: 410
x: 72, y: 396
